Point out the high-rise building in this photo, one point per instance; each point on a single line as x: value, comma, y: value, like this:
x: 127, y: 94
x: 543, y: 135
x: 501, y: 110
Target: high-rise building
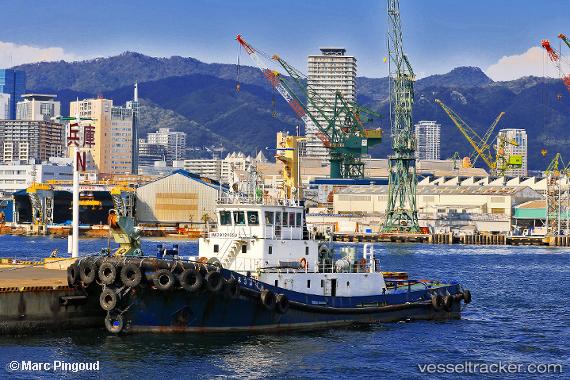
x: 12, y: 82
x: 173, y: 141
x: 514, y: 142
x: 4, y: 106
x: 38, y: 107
x: 330, y: 72
x: 26, y: 140
x: 428, y: 140
x: 150, y: 153
x: 108, y: 136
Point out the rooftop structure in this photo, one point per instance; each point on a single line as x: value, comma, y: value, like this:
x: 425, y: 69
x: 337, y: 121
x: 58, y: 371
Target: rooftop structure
x: 36, y: 107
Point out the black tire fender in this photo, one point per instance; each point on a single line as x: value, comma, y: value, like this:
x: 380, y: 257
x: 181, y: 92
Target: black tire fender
x: 232, y: 289
x: 108, y: 299
x: 281, y: 303
x: 447, y: 302
x: 214, y: 282
x: 268, y: 299
x: 87, y: 271
x: 191, y: 280
x: 114, y: 323
x: 131, y: 275
x: 107, y: 273
x: 164, y: 280
x: 467, y: 296
x: 72, y: 275
x: 437, y: 302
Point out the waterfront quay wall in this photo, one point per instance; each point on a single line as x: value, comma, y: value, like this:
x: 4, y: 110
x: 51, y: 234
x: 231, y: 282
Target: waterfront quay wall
x: 25, y: 310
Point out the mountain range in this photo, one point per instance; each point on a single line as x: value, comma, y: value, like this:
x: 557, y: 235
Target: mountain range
x: 201, y: 99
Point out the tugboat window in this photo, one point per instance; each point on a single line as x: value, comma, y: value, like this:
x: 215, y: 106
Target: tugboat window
x: 276, y: 282
x: 239, y: 218
x: 270, y: 250
x: 225, y: 218
x: 306, y: 251
x: 252, y: 218
x: 308, y: 283
x: 269, y: 218
x: 299, y: 219
x: 278, y: 219
x: 285, y: 219
x: 292, y: 219
x: 244, y: 248
x: 216, y: 248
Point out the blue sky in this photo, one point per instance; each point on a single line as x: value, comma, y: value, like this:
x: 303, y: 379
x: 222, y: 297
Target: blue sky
x: 439, y: 34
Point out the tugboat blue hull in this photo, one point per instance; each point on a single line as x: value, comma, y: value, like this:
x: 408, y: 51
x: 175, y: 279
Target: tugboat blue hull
x: 205, y: 312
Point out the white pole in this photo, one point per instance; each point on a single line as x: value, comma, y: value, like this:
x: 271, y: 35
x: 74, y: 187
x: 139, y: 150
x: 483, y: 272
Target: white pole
x: 75, y: 234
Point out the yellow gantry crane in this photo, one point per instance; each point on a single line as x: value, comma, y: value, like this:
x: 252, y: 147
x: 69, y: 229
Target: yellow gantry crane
x: 498, y: 163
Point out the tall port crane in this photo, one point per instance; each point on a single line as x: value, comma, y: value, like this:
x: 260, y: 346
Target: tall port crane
x: 557, y: 196
x: 401, y: 209
x: 343, y: 133
x: 498, y: 163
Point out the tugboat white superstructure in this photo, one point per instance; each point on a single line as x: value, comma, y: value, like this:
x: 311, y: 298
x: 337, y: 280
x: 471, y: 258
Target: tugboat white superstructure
x: 270, y: 244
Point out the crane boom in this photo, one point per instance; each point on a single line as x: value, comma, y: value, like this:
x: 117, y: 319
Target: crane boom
x: 343, y: 132
x: 470, y: 135
x: 486, y: 137
x: 564, y: 38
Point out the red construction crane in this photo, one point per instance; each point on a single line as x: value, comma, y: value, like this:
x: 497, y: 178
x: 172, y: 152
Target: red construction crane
x: 556, y: 58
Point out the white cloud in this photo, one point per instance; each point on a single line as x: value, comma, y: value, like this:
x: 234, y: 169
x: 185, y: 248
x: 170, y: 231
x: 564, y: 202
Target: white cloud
x: 532, y: 62
x: 12, y: 54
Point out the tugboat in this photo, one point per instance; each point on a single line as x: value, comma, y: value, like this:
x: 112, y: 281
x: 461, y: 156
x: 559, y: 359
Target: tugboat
x: 258, y: 271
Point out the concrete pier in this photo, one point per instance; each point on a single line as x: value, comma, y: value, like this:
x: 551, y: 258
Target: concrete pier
x: 36, y: 299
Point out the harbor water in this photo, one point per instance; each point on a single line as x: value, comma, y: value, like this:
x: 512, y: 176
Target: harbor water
x: 520, y: 314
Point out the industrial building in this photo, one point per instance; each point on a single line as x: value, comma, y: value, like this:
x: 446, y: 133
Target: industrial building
x: 38, y: 107
x: 181, y: 197
x: 443, y: 208
x: 108, y: 136
x: 328, y: 72
x: 428, y: 140
x: 25, y: 140
x: 515, y: 144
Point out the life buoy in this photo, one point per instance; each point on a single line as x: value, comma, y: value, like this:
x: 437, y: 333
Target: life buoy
x: 107, y: 273
x: 164, y: 280
x: 267, y: 299
x: 87, y: 271
x: 214, y: 282
x: 72, y: 275
x: 303, y: 263
x: 363, y: 262
x: 191, y: 280
x: 282, y: 303
x: 131, y: 275
x: 108, y: 299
